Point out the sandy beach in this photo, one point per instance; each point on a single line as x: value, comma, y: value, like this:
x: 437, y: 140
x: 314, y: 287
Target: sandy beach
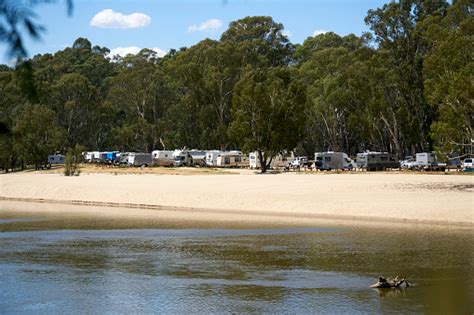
x: 287, y: 197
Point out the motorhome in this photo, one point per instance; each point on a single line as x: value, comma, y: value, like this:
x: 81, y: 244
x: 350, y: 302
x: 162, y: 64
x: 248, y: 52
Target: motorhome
x: 162, y: 157
x: 331, y: 160
x: 56, y: 159
x: 189, y: 158
x: 374, y: 161
x: 279, y: 161
x: 232, y: 159
x: 139, y: 159
x: 211, y: 157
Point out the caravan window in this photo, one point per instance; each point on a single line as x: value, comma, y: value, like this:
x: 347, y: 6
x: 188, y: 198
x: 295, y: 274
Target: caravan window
x: 227, y: 160
x: 383, y: 158
x: 319, y: 158
x: 327, y: 159
x: 237, y: 159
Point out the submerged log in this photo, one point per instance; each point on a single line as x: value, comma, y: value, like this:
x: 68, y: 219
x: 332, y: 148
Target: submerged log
x: 390, y: 283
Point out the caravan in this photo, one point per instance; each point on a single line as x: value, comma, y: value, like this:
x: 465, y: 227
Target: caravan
x: 232, y: 159
x: 55, y: 159
x: 331, y: 160
x: 139, y: 159
x: 162, y: 157
x: 211, y: 157
x: 279, y: 161
x: 90, y: 157
x: 374, y: 161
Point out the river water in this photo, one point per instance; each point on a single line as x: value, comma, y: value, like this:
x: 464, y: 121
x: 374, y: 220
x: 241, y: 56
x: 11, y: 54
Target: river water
x: 79, y: 266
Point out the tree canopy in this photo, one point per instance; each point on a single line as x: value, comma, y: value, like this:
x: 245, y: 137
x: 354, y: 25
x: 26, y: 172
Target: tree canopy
x: 405, y: 87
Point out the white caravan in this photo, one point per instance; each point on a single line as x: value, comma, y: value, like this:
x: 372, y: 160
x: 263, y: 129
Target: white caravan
x: 211, y: 157
x: 331, y: 160
x: 425, y: 160
x: 91, y: 156
x: 278, y: 161
x: 162, y: 157
x: 232, y: 159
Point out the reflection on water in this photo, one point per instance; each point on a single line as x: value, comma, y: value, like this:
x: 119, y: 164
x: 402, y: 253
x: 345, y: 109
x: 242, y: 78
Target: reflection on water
x: 228, y: 271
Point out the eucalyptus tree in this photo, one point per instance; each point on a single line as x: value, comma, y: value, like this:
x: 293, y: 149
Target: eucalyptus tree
x: 449, y: 76
x: 394, y: 27
x: 37, y: 134
x: 267, y: 111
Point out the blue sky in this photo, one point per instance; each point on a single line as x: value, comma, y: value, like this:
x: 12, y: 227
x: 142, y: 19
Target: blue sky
x: 165, y: 24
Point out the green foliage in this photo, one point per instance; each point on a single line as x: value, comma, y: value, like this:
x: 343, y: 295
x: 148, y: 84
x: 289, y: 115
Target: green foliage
x: 267, y: 111
x: 406, y: 87
x: 36, y: 134
x: 72, y: 161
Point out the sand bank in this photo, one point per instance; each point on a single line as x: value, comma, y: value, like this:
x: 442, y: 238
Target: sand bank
x: 369, y: 196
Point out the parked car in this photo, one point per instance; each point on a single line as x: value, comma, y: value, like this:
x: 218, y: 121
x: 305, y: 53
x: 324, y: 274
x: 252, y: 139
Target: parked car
x: 408, y: 163
x: 467, y: 165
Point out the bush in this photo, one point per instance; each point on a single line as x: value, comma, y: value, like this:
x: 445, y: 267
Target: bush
x: 72, y: 160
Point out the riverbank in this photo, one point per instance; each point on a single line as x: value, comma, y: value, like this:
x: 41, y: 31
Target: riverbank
x: 288, y: 197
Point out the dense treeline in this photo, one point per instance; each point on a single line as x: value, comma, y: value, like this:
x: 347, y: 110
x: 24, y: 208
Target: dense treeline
x: 405, y: 87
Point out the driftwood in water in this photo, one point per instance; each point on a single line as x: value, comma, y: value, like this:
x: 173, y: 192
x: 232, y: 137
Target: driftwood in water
x: 390, y: 283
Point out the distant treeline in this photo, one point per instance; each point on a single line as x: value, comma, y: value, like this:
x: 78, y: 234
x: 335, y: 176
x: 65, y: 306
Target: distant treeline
x: 405, y: 87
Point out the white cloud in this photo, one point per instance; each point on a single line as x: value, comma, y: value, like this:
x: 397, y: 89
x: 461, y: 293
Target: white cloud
x: 133, y: 50
x: 287, y: 33
x: 206, y: 26
x: 110, y: 19
x: 319, y: 32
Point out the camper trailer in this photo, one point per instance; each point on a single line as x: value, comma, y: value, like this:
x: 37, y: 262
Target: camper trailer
x: 232, y: 159
x: 375, y: 161
x: 332, y: 161
x: 211, y: 157
x: 162, y: 157
x: 55, y: 159
x: 279, y: 161
x: 139, y: 159
x: 425, y: 161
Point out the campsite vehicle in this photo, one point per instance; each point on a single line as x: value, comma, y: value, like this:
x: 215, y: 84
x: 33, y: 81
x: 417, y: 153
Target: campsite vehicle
x: 331, y: 160
x: 426, y: 161
x: 91, y: 156
x: 55, y: 159
x: 467, y: 165
x: 108, y: 157
x: 189, y: 158
x: 211, y: 157
x: 279, y: 161
x: 162, y: 157
x: 454, y: 162
x: 408, y: 163
x: 139, y: 159
x: 374, y: 161
x: 232, y: 159
x: 299, y: 161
